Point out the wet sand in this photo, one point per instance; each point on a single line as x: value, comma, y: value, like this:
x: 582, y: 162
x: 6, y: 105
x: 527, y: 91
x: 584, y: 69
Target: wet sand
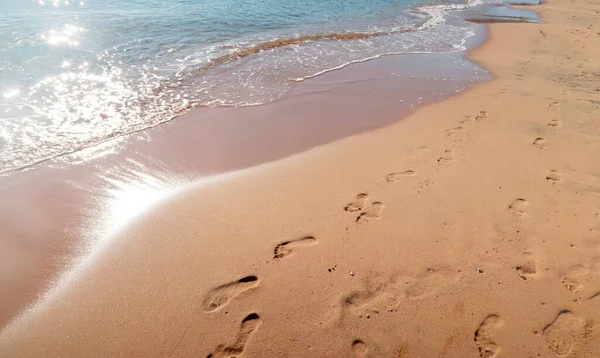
x: 468, y: 229
x: 52, y: 215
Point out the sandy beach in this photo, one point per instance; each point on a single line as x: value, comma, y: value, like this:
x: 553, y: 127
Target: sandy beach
x: 468, y: 229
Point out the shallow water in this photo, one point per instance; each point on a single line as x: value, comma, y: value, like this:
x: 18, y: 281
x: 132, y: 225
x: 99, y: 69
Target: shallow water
x: 76, y: 73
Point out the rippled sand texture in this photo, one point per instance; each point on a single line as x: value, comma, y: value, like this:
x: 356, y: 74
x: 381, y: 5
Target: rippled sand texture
x: 416, y: 240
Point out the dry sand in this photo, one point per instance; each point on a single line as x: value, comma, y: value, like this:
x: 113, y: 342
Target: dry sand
x: 469, y: 229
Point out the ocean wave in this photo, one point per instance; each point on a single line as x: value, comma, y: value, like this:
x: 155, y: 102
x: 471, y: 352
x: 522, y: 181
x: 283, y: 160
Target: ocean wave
x: 114, y: 98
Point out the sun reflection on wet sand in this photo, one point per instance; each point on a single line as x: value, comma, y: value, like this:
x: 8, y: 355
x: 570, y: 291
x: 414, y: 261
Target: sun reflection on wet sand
x: 114, y: 200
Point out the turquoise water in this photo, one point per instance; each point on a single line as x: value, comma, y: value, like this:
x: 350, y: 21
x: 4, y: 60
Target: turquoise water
x: 76, y: 73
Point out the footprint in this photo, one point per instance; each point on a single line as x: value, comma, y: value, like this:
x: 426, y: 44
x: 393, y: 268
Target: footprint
x: 249, y: 325
x: 571, y: 284
x: 285, y: 248
x: 432, y: 281
x: 540, y: 143
x: 483, y: 115
x: 358, y: 204
x: 528, y: 268
x: 466, y: 119
x: 447, y: 157
x: 555, y: 123
x: 564, y: 333
x: 483, y: 338
x: 570, y: 278
x: 361, y: 299
x: 394, y: 177
x: 415, y: 153
x: 554, y: 105
x: 378, y: 295
x: 452, y: 131
x: 555, y: 177
x: 373, y: 213
x: 220, y: 296
x: 359, y: 348
x: 518, y: 207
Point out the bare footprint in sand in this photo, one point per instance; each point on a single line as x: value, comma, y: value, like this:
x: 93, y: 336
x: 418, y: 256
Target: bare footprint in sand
x: 540, y: 143
x: 447, y: 157
x: 358, y: 204
x: 564, y: 333
x: 359, y: 348
x: 555, y: 123
x: 394, y: 177
x: 554, y: 177
x: 483, y: 115
x: 571, y: 277
x: 466, y: 119
x: 432, y: 281
x: 361, y: 299
x: 554, y: 105
x: 415, y: 153
x: 373, y: 213
x: 453, y: 131
x: 285, y: 248
x: 519, y: 206
x: 486, y: 345
x: 375, y: 296
x: 220, y: 296
x: 528, y: 267
x: 249, y: 325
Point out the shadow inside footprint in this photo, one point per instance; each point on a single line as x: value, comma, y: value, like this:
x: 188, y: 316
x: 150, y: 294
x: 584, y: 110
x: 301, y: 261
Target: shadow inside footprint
x: 483, y: 336
x: 555, y: 177
x: 373, y: 213
x: 358, y: 204
x: 519, y: 206
x: 453, y: 131
x: 528, y: 268
x: 285, y: 248
x: 249, y: 325
x: 359, y: 348
x: 220, y: 296
x: 555, y: 123
x: 540, y: 143
x: 447, y: 157
x: 394, y: 177
x: 483, y: 115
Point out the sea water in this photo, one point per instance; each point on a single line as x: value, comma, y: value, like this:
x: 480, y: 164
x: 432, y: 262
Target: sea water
x: 77, y: 73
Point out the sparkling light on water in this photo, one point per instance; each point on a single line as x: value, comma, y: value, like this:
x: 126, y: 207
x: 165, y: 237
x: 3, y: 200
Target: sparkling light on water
x: 68, y: 35
x: 114, y: 67
x: 11, y: 93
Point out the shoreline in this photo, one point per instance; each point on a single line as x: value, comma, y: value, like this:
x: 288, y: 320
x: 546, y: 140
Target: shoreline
x: 200, y: 144
x: 475, y: 15
x: 468, y: 228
